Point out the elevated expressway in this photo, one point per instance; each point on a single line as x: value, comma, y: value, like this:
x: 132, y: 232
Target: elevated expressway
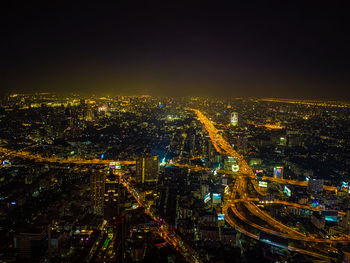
x: 239, y: 197
x: 239, y: 207
x: 39, y: 158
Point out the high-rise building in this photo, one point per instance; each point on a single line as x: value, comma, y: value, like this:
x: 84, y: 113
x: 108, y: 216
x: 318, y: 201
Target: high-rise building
x: 234, y: 118
x: 193, y: 144
x: 346, y: 220
x: 97, y: 184
x: 32, y: 245
x: 112, y: 197
x: 209, y: 150
x: 147, y: 169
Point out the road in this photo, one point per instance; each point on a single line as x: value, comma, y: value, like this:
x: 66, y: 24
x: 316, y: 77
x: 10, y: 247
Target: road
x: 165, y: 230
x: 39, y: 158
x: 240, y: 192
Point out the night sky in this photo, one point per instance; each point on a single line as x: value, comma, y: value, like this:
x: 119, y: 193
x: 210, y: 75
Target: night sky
x: 289, y: 50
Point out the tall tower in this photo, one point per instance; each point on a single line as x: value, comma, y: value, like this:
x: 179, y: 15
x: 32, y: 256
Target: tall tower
x: 234, y: 118
x: 112, y: 197
x: 147, y: 169
x: 97, y: 184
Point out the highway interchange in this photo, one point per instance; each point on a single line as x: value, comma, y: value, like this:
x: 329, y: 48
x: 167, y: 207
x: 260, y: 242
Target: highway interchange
x: 240, y: 192
x: 239, y: 202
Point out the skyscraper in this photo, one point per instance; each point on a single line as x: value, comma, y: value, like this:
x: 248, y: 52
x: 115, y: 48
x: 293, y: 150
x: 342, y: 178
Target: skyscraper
x: 147, y: 169
x: 97, y: 184
x: 234, y: 118
x: 112, y: 197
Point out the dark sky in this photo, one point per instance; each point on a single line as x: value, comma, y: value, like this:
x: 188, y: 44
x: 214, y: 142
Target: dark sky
x: 290, y: 49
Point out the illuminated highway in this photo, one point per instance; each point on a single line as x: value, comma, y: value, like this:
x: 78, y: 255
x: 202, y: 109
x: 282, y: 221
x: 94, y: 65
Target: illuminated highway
x: 240, y: 192
x: 39, y: 158
x: 266, y: 178
x: 239, y: 196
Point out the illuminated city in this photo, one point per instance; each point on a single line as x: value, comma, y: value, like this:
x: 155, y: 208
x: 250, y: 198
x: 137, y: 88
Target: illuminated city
x: 156, y: 136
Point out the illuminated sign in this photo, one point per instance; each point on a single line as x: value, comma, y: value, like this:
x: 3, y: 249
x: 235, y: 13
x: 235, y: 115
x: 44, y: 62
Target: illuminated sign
x: 262, y: 184
x: 235, y: 168
x: 6, y: 163
x: 278, y: 172
x: 207, y: 198
x: 331, y: 218
x: 260, y: 171
x: 221, y: 217
x: 118, y: 165
x: 216, y: 196
x: 287, y: 191
x: 115, y: 165
x: 227, y: 189
x: 163, y: 162
x: 345, y: 186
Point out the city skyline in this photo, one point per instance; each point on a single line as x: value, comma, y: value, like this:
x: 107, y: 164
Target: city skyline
x: 174, y: 132
x: 145, y: 179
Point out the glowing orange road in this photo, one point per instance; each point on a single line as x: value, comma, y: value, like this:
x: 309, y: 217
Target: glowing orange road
x: 271, y: 221
x: 256, y: 187
x: 221, y: 145
x: 240, y: 192
x: 247, y: 233
x: 39, y: 158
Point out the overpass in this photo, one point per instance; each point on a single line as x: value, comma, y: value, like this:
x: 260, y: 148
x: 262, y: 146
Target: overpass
x: 240, y: 191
